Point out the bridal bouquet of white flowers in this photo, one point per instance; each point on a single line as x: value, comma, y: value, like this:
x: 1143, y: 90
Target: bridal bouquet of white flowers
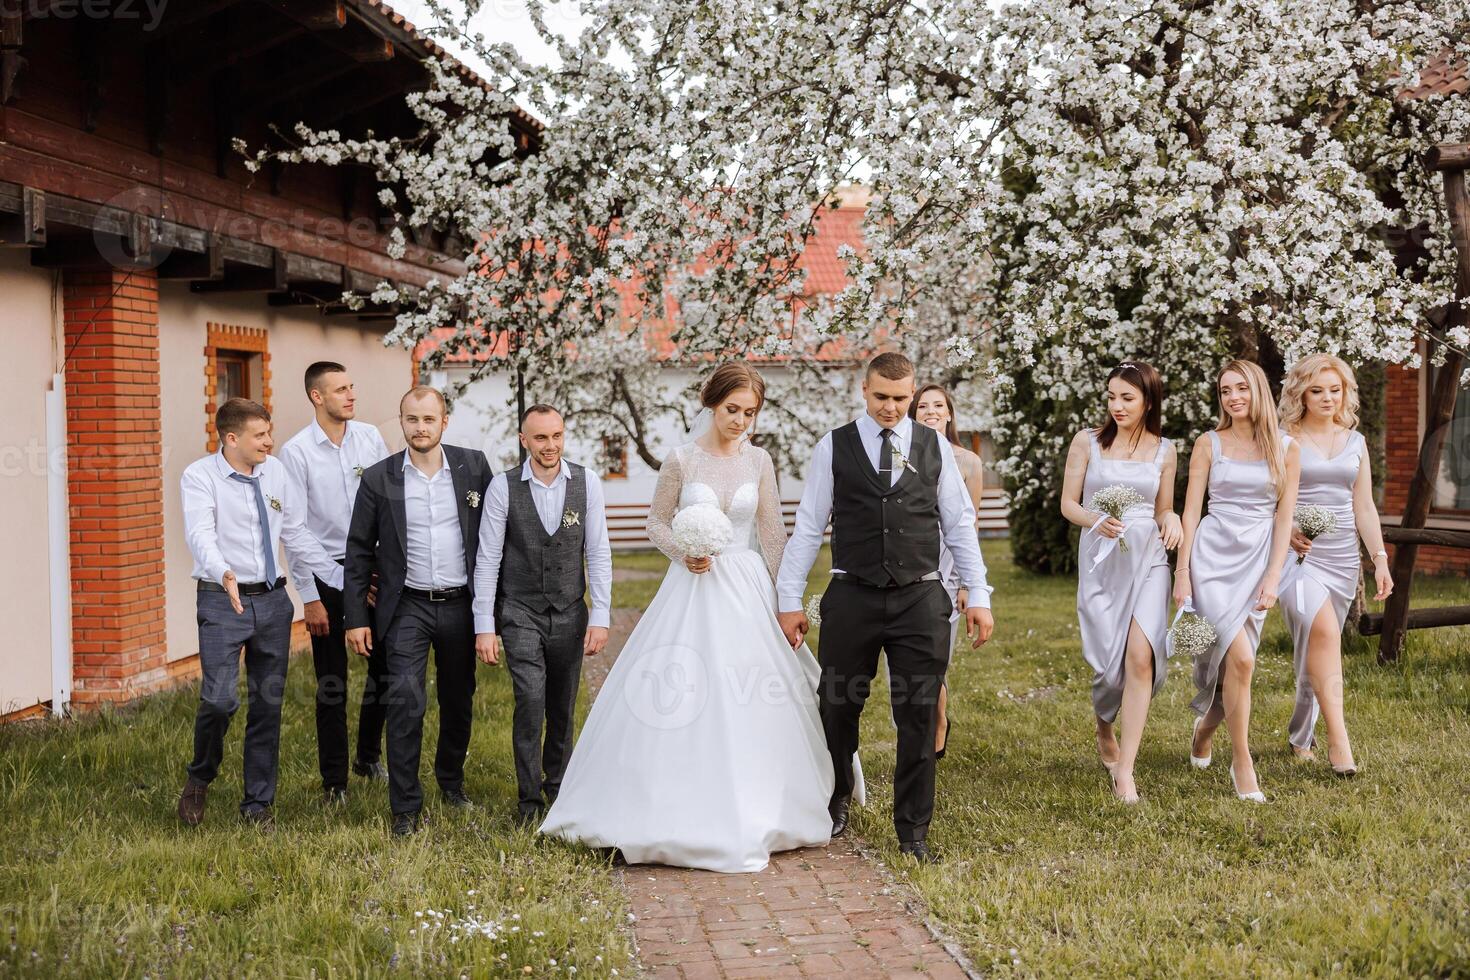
x: 1114, y: 501
x: 1313, y: 521
x: 701, y: 531
x: 1191, y: 634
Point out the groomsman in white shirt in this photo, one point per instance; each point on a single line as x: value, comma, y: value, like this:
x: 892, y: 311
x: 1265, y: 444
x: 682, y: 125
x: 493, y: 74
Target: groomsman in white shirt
x: 324, y: 463
x: 237, y: 510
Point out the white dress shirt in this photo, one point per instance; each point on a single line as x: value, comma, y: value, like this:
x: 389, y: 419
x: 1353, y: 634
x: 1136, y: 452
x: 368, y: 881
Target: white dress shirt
x: 956, y: 514
x: 222, y: 523
x: 436, y: 558
x: 325, y: 476
x: 550, y: 500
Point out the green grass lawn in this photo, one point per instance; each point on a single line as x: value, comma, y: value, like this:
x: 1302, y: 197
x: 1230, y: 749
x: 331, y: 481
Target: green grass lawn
x: 1043, y: 872
x: 98, y: 878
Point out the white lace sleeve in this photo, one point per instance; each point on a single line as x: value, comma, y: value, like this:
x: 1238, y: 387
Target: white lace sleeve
x: 665, y: 505
x: 769, y: 526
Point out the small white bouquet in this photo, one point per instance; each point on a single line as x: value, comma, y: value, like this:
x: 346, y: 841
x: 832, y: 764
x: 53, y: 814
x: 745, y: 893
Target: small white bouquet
x: 814, y: 610
x: 1191, y: 634
x: 1313, y: 521
x: 1114, y: 501
x: 702, y: 530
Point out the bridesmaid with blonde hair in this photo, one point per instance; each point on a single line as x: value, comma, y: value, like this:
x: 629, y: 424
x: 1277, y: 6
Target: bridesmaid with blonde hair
x: 1229, y: 568
x: 1122, y: 570
x: 1319, y: 407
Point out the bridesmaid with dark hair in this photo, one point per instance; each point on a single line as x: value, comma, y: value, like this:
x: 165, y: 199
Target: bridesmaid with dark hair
x: 1122, y: 571
x: 933, y: 407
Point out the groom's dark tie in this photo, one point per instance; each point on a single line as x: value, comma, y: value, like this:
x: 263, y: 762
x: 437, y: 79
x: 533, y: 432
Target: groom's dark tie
x: 267, y: 553
x: 885, y: 456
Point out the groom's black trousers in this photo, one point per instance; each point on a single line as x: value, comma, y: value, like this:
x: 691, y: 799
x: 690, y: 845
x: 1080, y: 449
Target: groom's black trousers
x: 911, y: 625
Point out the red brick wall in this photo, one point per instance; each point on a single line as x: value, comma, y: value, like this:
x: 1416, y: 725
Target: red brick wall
x: 1401, y: 454
x: 115, y: 481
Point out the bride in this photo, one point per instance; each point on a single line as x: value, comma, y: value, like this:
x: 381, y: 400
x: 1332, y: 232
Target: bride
x: 704, y: 749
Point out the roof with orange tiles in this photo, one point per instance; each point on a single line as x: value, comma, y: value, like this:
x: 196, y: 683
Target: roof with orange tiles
x: 1447, y: 73
x: 825, y: 270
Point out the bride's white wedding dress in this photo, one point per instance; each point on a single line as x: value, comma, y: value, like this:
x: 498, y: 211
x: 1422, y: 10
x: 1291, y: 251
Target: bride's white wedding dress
x: 704, y: 748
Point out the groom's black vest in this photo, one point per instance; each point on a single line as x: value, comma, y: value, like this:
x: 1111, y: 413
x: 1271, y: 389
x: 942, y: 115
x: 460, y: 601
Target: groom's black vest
x: 885, y: 535
x: 538, y: 570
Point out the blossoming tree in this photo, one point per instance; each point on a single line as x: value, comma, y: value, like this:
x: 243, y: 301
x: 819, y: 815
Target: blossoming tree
x: 1057, y: 184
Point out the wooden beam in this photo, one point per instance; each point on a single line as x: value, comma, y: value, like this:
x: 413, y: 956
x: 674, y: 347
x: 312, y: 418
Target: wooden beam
x: 1434, y: 536
x: 316, y: 15
x: 208, y: 265
x: 1371, y: 624
x: 248, y: 279
x: 23, y: 221
x: 1449, y: 156
x: 1436, y: 426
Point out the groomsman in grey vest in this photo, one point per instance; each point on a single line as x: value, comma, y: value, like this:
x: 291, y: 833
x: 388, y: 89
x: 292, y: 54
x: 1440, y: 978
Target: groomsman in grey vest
x: 238, y: 508
x: 543, y: 520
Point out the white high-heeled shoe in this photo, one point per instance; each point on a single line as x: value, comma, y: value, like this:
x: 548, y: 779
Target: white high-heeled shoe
x: 1255, y: 797
x: 1199, y: 762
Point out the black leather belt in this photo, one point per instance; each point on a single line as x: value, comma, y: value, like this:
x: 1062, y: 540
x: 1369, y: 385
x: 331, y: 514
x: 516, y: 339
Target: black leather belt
x: 246, y: 588
x: 438, y: 595
x: 848, y: 577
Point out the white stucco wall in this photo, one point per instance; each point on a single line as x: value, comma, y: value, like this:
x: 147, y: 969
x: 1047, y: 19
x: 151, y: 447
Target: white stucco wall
x: 29, y: 324
x: 297, y: 336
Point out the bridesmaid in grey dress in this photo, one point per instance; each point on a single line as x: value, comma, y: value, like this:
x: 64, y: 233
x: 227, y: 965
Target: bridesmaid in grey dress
x: 1230, y: 562
x: 1319, y: 406
x: 1123, y: 596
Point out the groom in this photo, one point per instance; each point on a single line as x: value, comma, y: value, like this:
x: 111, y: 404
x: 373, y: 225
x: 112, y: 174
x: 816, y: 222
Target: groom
x: 891, y: 492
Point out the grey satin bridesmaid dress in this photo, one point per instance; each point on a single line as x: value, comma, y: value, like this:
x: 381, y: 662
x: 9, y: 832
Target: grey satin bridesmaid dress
x: 1116, y: 587
x: 1331, y: 571
x: 1232, y: 548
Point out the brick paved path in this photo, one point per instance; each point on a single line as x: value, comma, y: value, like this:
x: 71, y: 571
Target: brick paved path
x: 819, y: 911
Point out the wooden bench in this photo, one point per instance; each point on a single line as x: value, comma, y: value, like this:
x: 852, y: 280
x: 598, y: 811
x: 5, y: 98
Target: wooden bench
x: 627, y: 524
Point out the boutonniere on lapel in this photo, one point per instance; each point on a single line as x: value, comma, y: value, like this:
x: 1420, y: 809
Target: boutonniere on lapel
x: 357, y: 472
x: 571, y: 519
x: 472, y: 498
x: 902, y: 461
x: 275, y: 502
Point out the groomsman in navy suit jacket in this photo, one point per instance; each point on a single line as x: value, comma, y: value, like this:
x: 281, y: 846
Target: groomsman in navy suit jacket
x: 416, y: 523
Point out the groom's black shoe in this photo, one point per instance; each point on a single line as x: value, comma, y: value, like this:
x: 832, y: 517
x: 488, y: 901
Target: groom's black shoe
x: 530, y: 815
x: 405, y: 824
x: 457, y: 799
x: 918, y: 850
x: 375, y: 771
x: 838, y: 809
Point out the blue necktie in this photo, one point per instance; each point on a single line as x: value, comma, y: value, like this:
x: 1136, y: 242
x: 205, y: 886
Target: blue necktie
x: 265, y: 527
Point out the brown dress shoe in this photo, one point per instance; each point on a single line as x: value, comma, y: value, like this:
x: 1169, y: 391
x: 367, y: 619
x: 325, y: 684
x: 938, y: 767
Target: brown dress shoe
x: 191, y: 802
